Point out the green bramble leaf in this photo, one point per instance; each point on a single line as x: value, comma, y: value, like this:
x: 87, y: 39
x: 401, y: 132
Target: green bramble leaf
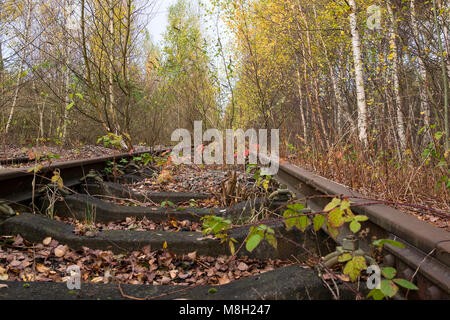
x: 345, y: 257
x: 333, y: 204
x: 271, y: 240
x: 232, y: 248
x: 345, y: 205
x: 335, y: 218
x: 376, y: 294
x: 405, y: 284
x: 361, y: 218
x: 319, y: 221
x: 389, y: 273
x: 334, y: 233
x: 252, y: 242
x: 355, y: 226
x: 354, y: 267
x: 380, y: 243
x: 388, y: 288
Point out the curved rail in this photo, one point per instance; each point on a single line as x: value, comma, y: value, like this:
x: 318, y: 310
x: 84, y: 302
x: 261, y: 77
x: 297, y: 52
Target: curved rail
x: 427, y: 252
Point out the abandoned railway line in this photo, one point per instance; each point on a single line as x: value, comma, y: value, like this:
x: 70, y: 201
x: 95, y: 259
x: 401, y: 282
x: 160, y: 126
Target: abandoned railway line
x: 425, y: 258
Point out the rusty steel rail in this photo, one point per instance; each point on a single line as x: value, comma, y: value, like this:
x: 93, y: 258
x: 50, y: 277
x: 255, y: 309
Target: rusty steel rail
x: 16, y: 184
x: 427, y: 249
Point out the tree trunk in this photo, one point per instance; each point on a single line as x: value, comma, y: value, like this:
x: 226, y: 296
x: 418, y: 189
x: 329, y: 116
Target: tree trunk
x: 424, y: 105
x: 395, y: 77
x: 359, y: 74
x: 444, y: 76
x: 66, y: 74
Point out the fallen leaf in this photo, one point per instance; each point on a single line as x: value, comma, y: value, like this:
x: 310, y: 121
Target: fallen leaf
x: 60, y: 251
x: 165, y: 280
x: 14, y: 263
x: 173, y: 274
x: 192, y: 255
x: 47, y: 241
x: 224, y: 280
x: 41, y: 268
x: 242, y: 266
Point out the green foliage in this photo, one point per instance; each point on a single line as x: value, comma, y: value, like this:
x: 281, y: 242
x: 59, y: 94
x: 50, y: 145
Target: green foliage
x: 144, y: 159
x: 380, y: 243
x: 258, y: 234
x: 389, y: 285
x: 338, y: 213
x: 296, y: 217
x: 111, y: 140
x: 167, y: 203
x: 354, y: 267
x: 263, y: 181
x: 219, y: 227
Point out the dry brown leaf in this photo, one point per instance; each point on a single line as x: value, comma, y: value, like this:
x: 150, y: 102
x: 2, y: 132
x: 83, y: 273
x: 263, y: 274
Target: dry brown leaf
x: 173, y: 273
x: 60, y: 251
x: 224, y: 280
x: 15, y: 263
x: 41, y: 268
x: 165, y: 280
x: 47, y: 241
x: 243, y: 266
x: 192, y: 255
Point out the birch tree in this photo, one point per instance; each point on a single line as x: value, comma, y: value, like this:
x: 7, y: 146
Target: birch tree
x: 359, y: 73
x: 393, y: 57
x: 20, y: 75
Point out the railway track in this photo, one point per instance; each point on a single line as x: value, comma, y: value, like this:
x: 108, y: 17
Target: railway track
x: 426, y: 256
x: 427, y: 252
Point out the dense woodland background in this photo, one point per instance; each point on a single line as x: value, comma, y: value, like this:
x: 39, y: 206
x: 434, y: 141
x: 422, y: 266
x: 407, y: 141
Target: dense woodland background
x: 365, y: 107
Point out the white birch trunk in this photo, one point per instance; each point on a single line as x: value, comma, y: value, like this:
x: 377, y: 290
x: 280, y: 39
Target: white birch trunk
x: 300, y: 97
x: 395, y: 77
x: 359, y: 74
x: 115, y: 122
x: 66, y: 8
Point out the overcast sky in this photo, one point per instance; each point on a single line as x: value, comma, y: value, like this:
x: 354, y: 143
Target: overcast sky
x: 158, y: 24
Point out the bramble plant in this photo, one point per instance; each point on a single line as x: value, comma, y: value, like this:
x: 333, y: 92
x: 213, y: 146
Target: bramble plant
x: 144, y: 159
x: 334, y: 216
x: 263, y: 181
x: 111, y: 139
x: 388, y: 287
